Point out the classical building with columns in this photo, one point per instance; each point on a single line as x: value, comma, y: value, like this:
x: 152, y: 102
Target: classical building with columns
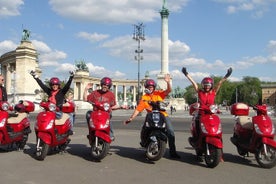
x: 82, y: 78
x: 15, y: 67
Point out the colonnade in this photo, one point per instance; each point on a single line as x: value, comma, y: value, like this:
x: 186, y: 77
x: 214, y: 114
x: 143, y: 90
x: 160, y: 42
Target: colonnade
x: 82, y: 78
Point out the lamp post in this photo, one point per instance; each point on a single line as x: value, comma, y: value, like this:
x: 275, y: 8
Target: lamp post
x: 138, y: 35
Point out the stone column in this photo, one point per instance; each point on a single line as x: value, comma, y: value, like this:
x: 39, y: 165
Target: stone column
x: 164, y: 47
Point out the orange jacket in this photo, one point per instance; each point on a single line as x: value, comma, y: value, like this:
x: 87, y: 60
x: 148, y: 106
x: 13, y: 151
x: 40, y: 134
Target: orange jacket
x: 155, y: 96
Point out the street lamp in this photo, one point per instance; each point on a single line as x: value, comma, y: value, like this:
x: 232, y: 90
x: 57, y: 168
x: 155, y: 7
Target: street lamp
x: 138, y: 35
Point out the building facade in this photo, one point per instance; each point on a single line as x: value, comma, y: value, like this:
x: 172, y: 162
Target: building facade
x: 269, y: 94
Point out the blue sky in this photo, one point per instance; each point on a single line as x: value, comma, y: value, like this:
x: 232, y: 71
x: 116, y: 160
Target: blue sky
x: 206, y: 36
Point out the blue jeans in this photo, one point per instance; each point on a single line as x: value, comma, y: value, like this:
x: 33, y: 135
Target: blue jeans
x: 170, y: 134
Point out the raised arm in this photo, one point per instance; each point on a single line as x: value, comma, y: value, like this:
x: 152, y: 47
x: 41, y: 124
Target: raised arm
x: 87, y: 87
x: 229, y: 72
x: 184, y: 71
x: 167, y: 78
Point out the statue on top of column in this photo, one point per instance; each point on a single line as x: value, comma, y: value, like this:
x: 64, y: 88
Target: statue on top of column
x: 26, y: 35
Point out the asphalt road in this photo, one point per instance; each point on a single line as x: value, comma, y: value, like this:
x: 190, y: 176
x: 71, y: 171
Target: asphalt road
x: 126, y: 162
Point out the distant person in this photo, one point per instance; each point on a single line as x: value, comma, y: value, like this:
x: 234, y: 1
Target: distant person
x: 3, y: 91
x: 70, y: 98
x: 171, y: 109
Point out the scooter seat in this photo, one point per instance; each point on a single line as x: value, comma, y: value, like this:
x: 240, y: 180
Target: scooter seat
x: 245, y: 121
x: 62, y: 120
x: 17, y: 119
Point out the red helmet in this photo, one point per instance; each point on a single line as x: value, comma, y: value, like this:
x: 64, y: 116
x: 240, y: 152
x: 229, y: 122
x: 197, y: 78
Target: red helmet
x: 106, y: 81
x: 150, y: 82
x: 54, y: 81
x: 207, y: 81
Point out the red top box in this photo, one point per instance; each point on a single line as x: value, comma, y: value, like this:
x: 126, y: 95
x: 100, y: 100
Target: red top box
x: 240, y: 109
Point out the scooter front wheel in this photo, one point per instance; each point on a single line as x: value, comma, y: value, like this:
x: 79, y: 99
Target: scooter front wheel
x: 156, y: 150
x: 99, y: 150
x: 266, y: 158
x: 41, y: 150
x: 212, y: 158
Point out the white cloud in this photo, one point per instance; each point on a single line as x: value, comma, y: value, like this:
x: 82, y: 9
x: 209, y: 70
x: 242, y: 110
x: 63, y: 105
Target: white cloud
x: 41, y: 46
x: 99, y: 71
x: 47, y: 56
x: 256, y: 7
x: 10, y: 8
x: 122, y: 11
x: 92, y: 37
x: 7, y: 46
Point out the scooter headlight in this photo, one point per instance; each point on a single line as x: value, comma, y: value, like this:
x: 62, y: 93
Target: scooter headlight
x: 52, y: 107
x: 106, y: 124
x: 203, y: 129
x: 213, y: 108
x: 219, y: 129
x: 50, y: 125
x: 91, y: 123
x: 147, y: 124
x: 106, y: 106
x: 257, y: 129
x: 5, y: 106
x: 2, y: 123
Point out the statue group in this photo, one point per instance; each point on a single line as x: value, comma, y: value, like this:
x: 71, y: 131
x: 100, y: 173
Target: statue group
x: 26, y: 35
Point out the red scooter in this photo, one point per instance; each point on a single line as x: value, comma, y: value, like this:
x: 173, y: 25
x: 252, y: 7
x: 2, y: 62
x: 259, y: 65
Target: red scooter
x: 209, y: 141
x: 254, y: 134
x: 52, y: 132
x: 15, y: 128
x: 99, y: 130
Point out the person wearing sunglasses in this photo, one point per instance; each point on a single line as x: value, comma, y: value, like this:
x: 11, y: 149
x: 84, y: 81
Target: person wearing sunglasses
x: 206, y: 95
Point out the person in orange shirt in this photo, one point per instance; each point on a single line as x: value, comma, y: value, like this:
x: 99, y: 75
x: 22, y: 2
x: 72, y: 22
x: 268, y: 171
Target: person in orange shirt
x: 156, y: 95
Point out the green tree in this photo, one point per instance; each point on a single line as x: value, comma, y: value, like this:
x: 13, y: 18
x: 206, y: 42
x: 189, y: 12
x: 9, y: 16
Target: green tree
x: 249, y: 90
x: 190, y: 95
x: 224, y: 95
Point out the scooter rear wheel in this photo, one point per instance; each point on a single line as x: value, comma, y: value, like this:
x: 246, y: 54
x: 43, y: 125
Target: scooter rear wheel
x: 266, y: 161
x: 99, y: 151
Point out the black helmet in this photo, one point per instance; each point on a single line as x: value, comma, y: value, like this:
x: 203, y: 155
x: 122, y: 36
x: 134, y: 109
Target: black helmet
x: 19, y: 107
